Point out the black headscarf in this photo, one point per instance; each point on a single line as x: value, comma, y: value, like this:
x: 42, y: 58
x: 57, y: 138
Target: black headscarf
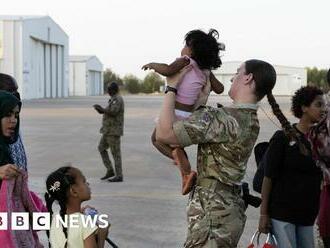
x: 7, y: 103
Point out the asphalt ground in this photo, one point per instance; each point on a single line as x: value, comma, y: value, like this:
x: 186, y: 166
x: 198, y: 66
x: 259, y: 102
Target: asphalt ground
x: 147, y: 209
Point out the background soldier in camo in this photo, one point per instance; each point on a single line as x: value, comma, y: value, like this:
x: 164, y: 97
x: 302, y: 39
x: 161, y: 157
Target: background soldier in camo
x: 225, y: 138
x: 112, y: 130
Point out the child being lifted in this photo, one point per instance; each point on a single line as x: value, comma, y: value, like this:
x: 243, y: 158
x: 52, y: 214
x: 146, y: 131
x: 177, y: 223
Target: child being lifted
x: 201, y: 52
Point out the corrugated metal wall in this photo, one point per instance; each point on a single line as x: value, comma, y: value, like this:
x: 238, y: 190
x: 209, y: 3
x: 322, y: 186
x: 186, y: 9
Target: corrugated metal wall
x: 289, y: 79
x: 46, y: 68
x: 78, y: 79
x: 94, y: 81
x: 35, y: 53
x: 11, y: 59
x: 86, y: 78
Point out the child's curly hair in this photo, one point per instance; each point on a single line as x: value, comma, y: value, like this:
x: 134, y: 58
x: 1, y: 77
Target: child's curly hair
x: 205, y: 48
x: 304, y: 97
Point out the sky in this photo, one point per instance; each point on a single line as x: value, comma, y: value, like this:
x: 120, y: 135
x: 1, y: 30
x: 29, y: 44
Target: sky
x: 126, y: 34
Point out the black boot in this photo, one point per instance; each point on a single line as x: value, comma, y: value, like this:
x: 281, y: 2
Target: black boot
x: 109, y: 174
x: 115, y: 179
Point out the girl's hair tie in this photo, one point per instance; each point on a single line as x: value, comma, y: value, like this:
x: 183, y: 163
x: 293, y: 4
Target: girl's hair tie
x: 55, y: 186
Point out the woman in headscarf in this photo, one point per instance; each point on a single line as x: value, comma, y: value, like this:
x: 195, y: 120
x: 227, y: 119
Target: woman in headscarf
x: 9, y: 117
x: 16, y: 149
x: 14, y: 193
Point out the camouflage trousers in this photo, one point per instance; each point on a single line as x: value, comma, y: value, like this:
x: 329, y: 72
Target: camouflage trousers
x: 216, y: 218
x: 112, y: 142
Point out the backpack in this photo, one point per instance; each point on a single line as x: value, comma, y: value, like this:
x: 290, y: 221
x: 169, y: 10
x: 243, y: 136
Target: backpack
x: 260, y: 154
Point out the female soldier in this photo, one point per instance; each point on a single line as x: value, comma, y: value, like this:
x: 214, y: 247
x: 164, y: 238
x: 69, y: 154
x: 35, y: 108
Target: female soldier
x: 225, y: 138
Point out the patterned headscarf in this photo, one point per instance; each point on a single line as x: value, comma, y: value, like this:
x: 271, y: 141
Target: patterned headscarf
x: 7, y: 103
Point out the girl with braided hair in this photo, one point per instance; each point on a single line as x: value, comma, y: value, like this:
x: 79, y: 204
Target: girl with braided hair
x: 291, y: 185
x: 68, y: 186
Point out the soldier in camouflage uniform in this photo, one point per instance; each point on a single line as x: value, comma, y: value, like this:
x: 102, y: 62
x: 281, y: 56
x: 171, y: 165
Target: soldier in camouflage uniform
x: 225, y: 138
x: 112, y: 130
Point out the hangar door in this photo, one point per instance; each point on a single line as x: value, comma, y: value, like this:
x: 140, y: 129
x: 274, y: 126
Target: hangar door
x: 47, y: 70
x: 54, y: 71
x: 94, y: 83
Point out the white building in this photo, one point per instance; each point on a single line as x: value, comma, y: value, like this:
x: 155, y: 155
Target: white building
x: 288, y: 80
x: 86, y: 76
x: 34, y: 49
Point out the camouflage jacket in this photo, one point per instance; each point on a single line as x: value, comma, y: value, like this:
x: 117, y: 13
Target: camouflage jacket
x: 225, y: 138
x: 113, y: 117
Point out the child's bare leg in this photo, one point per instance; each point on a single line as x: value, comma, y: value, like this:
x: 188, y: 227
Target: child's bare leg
x: 163, y: 148
x: 188, y: 176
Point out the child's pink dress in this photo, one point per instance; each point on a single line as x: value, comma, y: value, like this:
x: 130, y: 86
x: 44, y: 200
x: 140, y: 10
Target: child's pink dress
x: 194, y: 88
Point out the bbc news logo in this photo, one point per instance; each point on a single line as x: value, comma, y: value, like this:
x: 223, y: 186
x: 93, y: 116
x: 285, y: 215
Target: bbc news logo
x: 41, y: 221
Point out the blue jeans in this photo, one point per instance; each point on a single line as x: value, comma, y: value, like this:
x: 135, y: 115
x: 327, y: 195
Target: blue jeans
x: 292, y: 236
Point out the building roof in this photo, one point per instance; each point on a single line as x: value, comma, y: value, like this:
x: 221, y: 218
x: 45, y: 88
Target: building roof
x: 20, y: 17
x: 80, y: 58
x: 29, y: 17
x: 275, y: 65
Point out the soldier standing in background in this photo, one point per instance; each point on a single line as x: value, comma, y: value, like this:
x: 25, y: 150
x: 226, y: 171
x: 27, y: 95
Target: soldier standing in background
x: 111, y: 130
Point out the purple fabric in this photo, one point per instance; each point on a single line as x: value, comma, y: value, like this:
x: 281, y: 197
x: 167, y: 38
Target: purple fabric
x: 324, y: 214
x: 319, y: 137
x: 16, y: 197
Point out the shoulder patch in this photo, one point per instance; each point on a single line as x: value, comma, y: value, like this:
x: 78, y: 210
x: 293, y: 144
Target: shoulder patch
x: 206, y: 117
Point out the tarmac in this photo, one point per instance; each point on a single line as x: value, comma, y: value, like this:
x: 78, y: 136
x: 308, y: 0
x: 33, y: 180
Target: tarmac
x: 147, y: 209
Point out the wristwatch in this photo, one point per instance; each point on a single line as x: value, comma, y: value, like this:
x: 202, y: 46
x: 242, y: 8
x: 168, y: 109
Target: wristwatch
x: 169, y: 88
